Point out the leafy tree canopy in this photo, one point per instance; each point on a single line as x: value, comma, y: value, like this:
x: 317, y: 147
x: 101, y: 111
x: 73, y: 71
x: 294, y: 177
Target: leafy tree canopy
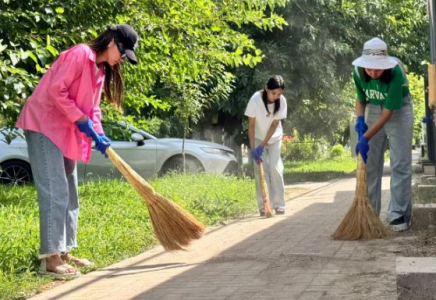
x: 314, y: 55
x: 185, y: 47
x: 198, y: 55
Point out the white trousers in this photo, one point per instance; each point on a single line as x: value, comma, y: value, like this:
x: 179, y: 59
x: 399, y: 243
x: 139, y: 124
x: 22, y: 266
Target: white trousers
x: 273, y: 167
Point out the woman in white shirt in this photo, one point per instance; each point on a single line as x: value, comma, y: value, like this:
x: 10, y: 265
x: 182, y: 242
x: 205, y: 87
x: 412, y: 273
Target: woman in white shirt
x: 265, y: 110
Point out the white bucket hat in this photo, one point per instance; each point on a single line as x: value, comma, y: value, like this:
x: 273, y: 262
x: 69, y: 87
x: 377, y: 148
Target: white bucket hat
x: 375, y: 56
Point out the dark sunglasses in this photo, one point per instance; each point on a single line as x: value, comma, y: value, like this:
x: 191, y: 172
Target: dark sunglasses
x: 122, y: 51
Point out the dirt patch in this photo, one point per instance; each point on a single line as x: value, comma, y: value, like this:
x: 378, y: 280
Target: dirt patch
x: 418, y: 243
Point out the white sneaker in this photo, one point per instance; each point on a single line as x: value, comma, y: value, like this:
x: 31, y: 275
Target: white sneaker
x: 399, y: 224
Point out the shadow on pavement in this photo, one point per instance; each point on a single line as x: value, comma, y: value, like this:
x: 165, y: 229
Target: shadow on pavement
x: 294, y: 259
x: 289, y: 257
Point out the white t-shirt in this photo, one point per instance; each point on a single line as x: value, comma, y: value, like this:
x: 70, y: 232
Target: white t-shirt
x: 256, y: 109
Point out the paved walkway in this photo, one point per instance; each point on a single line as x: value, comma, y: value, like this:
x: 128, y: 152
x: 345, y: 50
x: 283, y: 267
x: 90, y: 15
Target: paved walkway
x: 285, y: 257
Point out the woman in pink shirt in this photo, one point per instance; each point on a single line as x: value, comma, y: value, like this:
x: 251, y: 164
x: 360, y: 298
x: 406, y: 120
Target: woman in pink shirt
x: 61, y: 119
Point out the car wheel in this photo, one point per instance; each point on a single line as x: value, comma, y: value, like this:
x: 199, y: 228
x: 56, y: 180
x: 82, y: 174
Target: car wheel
x: 175, y: 164
x: 15, y: 172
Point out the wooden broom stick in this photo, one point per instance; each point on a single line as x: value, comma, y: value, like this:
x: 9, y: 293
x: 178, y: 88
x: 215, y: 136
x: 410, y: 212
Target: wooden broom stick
x: 265, y: 192
x: 174, y: 227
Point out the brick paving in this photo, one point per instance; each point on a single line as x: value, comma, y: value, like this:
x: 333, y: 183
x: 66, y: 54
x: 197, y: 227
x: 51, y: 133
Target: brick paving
x: 285, y: 257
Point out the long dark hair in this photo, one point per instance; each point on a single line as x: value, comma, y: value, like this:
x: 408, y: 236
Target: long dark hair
x: 386, y: 76
x: 274, y: 82
x: 113, y: 83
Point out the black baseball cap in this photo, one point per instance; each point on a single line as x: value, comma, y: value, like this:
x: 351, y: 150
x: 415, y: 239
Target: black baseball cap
x: 126, y: 35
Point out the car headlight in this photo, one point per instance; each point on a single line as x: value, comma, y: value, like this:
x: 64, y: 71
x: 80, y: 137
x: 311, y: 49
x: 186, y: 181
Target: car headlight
x: 215, y: 151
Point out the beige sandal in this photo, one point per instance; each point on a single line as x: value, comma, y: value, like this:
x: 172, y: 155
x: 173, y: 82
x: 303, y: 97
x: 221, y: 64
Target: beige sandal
x: 61, y: 272
x: 78, y: 262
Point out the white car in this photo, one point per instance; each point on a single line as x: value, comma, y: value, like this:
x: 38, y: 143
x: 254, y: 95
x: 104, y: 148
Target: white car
x: 147, y: 155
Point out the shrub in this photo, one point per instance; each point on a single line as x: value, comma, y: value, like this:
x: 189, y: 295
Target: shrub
x: 299, y: 151
x: 302, y: 149
x: 337, y: 151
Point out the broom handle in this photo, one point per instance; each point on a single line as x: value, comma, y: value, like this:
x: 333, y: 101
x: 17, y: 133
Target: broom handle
x: 264, y: 188
x: 127, y: 171
x: 361, y: 184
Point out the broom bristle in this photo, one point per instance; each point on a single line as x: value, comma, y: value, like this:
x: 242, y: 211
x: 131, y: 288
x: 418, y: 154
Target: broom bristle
x: 361, y: 221
x: 174, y: 227
x: 268, y: 214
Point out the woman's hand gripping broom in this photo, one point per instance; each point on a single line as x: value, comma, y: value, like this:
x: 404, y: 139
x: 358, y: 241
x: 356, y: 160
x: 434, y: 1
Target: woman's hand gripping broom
x: 174, y: 227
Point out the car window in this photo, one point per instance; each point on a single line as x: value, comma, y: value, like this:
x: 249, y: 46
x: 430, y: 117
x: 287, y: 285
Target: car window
x: 117, y: 132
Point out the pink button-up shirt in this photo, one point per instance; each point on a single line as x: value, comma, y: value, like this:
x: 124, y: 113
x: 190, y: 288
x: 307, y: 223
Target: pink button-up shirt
x: 70, y: 89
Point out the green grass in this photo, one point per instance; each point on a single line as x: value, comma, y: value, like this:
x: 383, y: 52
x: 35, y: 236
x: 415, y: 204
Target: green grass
x: 321, y: 170
x: 114, y: 223
x: 210, y: 199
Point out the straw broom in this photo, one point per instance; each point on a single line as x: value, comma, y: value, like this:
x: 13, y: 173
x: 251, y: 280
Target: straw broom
x: 361, y: 221
x: 174, y: 227
x: 265, y: 192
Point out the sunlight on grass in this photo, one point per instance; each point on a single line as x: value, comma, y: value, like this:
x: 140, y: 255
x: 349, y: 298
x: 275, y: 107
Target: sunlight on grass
x: 114, y: 223
x: 321, y: 170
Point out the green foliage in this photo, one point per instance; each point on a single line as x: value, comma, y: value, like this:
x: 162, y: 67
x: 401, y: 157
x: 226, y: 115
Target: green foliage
x: 32, y: 33
x: 302, y: 149
x: 21, y: 255
x: 114, y: 223
x: 20, y: 286
x: 416, y: 86
x: 387, y: 155
x: 320, y: 170
x: 307, y: 150
x: 314, y: 55
x: 213, y: 55
x: 189, y: 47
x: 336, y: 151
x: 185, y: 48
x: 206, y: 197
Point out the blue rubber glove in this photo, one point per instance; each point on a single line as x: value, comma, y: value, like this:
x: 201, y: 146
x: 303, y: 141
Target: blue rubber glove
x: 101, y: 141
x: 257, y: 153
x: 102, y: 144
x: 362, y: 147
x: 428, y: 119
x: 87, y: 128
x: 360, y: 126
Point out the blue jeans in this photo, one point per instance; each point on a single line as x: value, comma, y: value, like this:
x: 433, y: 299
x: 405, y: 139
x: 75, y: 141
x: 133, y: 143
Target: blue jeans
x: 56, y: 183
x: 273, y: 167
x: 399, y: 131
